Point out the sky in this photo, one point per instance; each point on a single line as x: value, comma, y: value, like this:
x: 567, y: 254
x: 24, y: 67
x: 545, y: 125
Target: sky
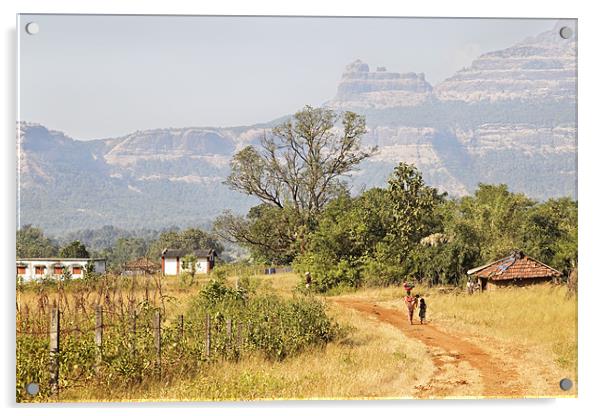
x: 106, y: 76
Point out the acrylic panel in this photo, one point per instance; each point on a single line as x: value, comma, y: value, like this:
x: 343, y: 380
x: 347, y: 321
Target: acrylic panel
x: 256, y: 208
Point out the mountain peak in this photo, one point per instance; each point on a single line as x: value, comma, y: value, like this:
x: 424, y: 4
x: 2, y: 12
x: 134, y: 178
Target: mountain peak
x: 357, y: 66
x: 362, y: 88
x: 539, y: 67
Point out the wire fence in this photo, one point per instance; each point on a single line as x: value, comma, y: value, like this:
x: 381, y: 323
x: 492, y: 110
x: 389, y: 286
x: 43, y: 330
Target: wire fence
x: 139, y: 335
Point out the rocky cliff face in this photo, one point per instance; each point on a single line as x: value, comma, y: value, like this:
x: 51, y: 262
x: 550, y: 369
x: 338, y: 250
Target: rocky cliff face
x: 539, y: 68
x: 359, y: 88
x: 508, y: 118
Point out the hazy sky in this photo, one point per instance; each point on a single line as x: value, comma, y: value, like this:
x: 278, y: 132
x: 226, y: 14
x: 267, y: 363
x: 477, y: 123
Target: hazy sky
x: 106, y: 76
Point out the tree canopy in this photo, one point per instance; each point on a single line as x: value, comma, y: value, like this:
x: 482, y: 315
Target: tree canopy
x: 31, y: 242
x: 410, y: 231
x: 75, y: 249
x: 298, y: 168
x: 188, y: 240
x: 302, y: 160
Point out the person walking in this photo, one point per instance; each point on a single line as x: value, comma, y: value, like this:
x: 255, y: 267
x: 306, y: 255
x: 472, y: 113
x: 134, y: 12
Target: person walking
x: 307, y: 279
x: 422, y: 310
x: 410, y: 302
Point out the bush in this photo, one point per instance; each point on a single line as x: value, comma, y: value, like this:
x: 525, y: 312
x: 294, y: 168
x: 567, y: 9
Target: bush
x: 326, y: 275
x: 263, y: 324
x: 274, y: 326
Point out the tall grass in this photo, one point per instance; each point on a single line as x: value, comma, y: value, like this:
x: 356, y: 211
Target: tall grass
x: 541, y: 315
x: 370, y: 360
x: 269, y: 327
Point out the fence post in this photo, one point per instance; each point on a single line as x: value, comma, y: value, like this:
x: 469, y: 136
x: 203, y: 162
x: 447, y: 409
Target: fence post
x: 181, y: 327
x: 55, y: 333
x: 158, y: 339
x: 98, y: 336
x: 208, y: 335
x: 239, y: 337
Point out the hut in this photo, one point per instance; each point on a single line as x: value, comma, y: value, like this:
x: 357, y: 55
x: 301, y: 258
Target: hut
x: 141, y: 266
x: 517, y: 269
x: 172, y: 261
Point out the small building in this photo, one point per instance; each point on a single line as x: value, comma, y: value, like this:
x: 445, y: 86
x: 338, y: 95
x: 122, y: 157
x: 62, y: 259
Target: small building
x: 172, y: 261
x: 141, y: 266
x: 517, y: 269
x: 38, y: 268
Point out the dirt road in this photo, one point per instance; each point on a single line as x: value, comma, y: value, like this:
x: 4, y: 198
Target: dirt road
x: 496, y: 376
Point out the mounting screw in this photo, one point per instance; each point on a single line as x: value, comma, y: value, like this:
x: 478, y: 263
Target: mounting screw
x: 566, y: 32
x: 32, y: 389
x: 566, y: 384
x: 32, y: 28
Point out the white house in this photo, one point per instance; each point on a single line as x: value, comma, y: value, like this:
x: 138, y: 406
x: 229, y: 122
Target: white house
x: 172, y: 265
x: 29, y: 269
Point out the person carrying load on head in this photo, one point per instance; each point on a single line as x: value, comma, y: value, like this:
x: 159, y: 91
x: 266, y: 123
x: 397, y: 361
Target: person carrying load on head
x: 410, y: 301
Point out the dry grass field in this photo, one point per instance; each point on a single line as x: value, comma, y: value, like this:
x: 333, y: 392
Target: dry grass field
x: 528, y: 334
x: 530, y: 331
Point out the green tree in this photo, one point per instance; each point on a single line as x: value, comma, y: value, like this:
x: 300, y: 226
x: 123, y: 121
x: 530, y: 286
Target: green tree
x: 298, y: 167
x: 127, y: 249
x: 551, y: 234
x: 272, y: 235
x: 75, y: 249
x: 302, y: 160
x: 369, y: 239
x: 188, y: 269
x: 444, y: 256
x: 498, y: 219
x: 350, y: 245
x: 413, y: 205
x: 31, y: 242
x: 188, y: 240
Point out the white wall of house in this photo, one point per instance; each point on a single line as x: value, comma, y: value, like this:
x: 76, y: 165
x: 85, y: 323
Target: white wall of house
x: 170, y: 265
x: 30, y: 269
x: 202, y: 266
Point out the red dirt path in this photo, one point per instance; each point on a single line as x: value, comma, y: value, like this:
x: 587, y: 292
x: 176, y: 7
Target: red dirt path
x: 498, y: 378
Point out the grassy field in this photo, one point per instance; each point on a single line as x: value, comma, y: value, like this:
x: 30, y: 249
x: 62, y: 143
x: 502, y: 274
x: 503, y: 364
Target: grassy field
x: 540, y: 318
x: 370, y: 359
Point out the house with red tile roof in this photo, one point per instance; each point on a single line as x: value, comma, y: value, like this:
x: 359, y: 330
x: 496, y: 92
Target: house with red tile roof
x: 517, y: 269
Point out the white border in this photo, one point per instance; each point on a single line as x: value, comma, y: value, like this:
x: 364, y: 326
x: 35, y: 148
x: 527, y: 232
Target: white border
x: 589, y: 190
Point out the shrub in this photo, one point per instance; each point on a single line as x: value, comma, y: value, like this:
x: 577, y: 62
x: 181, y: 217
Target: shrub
x: 275, y: 326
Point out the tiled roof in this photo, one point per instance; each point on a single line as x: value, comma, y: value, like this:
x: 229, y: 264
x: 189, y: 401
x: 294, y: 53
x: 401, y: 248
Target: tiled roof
x: 142, y: 263
x: 517, y: 266
x: 169, y: 252
x: 60, y: 259
x: 172, y: 253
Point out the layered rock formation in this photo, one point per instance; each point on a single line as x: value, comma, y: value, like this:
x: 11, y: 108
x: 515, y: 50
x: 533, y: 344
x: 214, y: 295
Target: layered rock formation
x: 360, y: 88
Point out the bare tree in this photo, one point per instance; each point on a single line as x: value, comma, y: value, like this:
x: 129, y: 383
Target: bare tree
x: 302, y: 160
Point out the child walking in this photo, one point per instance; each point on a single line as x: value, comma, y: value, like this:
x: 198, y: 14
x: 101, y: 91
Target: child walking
x: 422, y: 310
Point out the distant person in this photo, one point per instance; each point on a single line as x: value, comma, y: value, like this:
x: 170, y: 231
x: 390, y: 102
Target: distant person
x: 307, y: 279
x: 422, y: 310
x: 470, y: 287
x: 410, y: 302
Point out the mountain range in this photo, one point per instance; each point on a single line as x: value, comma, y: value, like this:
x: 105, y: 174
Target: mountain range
x: 510, y: 117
